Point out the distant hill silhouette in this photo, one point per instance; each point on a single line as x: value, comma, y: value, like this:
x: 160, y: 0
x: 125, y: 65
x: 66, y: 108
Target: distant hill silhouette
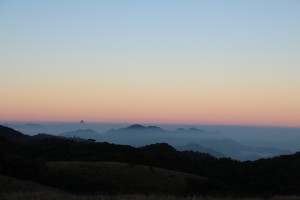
x: 19, y: 137
x: 57, y: 162
x: 13, y: 135
x: 82, y: 133
x: 138, y: 135
x: 159, y: 147
x: 199, y: 148
x: 211, y: 142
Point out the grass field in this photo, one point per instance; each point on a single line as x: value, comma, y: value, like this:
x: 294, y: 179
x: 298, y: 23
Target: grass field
x: 9, y: 185
x: 64, y: 196
x: 15, y: 189
x: 124, y: 177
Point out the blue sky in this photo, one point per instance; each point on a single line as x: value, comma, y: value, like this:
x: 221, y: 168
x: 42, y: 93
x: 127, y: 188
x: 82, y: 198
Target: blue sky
x: 153, y: 51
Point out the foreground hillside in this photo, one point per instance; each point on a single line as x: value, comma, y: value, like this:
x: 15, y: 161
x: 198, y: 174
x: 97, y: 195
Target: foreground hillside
x: 59, y: 196
x: 15, y: 189
x: 86, y: 167
x: 13, y: 185
x: 114, y: 177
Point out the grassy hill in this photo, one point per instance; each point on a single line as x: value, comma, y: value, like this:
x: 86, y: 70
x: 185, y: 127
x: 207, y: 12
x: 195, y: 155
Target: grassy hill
x: 15, y: 189
x: 112, y: 177
x: 10, y: 184
x: 55, y: 162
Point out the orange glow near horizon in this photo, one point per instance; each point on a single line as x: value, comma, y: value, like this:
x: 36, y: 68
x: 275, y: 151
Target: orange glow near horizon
x: 189, y: 62
x: 161, y: 106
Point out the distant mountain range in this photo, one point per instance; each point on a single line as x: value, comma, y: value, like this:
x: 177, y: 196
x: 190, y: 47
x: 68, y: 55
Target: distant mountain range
x: 82, y: 133
x: 191, y: 139
x: 88, y: 167
x: 138, y: 135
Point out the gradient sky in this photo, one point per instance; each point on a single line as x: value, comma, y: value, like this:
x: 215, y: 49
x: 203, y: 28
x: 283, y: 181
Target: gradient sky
x: 158, y: 61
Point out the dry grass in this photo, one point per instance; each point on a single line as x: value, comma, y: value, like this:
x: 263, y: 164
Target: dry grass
x: 65, y: 196
x: 125, y: 177
x: 15, y: 189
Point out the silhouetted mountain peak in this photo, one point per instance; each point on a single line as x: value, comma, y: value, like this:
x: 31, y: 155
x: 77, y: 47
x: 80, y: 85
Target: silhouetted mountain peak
x: 160, y: 147
x: 13, y: 135
x: 136, y: 126
x: 6, y: 131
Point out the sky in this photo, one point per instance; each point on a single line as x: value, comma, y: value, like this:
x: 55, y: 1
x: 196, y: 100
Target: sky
x: 159, y: 61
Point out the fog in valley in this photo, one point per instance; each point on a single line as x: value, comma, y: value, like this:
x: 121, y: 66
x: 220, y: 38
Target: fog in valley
x: 237, y: 142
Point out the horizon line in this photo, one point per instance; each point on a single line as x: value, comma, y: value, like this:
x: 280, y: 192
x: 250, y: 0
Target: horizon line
x: 151, y: 123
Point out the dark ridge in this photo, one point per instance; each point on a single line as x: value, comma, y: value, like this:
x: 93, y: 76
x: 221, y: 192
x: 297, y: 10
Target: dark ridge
x: 136, y: 126
x: 223, y: 177
x: 16, y: 136
x: 13, y: 135
x: 42, y: 136
x: 159, y: 147
x: 6, y: 131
